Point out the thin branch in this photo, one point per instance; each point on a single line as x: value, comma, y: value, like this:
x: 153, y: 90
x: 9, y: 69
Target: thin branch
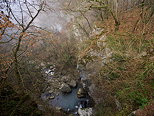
x: 10, y: 10
x: 29, y: 11
x: 22, y: 19
x: 86, y: 20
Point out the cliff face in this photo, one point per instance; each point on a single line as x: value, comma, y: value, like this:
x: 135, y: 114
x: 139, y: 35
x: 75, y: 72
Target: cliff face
x: 120, y: 64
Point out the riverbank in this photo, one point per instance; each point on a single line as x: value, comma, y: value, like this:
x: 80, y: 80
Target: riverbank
x: 66, y: 93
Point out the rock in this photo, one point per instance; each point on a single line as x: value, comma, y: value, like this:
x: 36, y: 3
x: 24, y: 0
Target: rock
x: 151, y: 58
x: 96, y: 31
x: 58, y: 109
x: 85, y: 112
x: 65, y: 79
x: 151, y: 51
x: 48, y: 97
x: 42, y: 64
x: 57, y: 93
x: 84, y: 85
x: 101, y: 42
x: 49, y: 72
x: 70, y: 115
x: 72, y: 83
x: 51, y: 91
x: 68, y: 110
x: 76, y: 107
x: 143, y: 54
x: 81, y: 93
x: 40, y: 107
x: 118, y: 105
x: 132, y: 114
x: 52, y: 97
x: 92, y: 88
x: 65, y: 88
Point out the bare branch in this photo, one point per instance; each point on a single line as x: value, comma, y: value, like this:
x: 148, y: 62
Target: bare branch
x: 29, y: 11
x: 22, y: 19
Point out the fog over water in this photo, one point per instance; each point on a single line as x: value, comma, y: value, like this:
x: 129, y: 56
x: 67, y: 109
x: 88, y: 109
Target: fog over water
x: 52, y: 18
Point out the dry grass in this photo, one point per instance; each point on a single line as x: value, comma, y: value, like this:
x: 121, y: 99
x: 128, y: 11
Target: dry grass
x: 129, y: 76
x: 130, y: 21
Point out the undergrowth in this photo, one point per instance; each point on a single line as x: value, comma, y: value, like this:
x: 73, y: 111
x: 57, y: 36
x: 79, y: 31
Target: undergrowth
x: 129, y: 75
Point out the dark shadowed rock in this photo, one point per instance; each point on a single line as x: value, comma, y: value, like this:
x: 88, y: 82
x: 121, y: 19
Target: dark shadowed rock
x: 52, y: 97
x: 81, y: 93
x: 65, y: 88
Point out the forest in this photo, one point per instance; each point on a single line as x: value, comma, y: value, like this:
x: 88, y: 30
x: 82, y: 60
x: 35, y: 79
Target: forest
x: 76, y: 57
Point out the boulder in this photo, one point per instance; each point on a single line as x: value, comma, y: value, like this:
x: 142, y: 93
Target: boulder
x: 143, y: 54
x: 52, y: 97
x: 81, y: 93
x: 65, y: 79
x: 151, y: 58
x: 58, y: 109
x: 51, y: 91
x: 65, y: 88
x: 85, y: 112
x: 42, y: 64
x: 72, y: 83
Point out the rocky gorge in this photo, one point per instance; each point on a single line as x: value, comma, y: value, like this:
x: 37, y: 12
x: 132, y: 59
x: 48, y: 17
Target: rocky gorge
x: 67, y: 93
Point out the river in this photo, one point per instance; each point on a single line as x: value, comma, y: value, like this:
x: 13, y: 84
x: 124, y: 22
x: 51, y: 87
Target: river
x: 68, y: 102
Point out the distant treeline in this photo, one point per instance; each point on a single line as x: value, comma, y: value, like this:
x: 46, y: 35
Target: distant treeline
x: 124, y: 5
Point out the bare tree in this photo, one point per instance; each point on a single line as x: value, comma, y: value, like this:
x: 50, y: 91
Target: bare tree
x: 106, y: 6
x: 20, y: 21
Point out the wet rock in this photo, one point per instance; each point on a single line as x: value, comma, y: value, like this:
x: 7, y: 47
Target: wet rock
x: 72, y: 83
x: 85, y: 112
x: 76, y: 107
x: 81, y: 93
x: 52, y: 97
x: 65, y: 88
x: 58, y: 109
x: 48, y: 97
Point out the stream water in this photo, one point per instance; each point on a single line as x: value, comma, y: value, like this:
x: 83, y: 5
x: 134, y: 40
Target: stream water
x: 69, y: 102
